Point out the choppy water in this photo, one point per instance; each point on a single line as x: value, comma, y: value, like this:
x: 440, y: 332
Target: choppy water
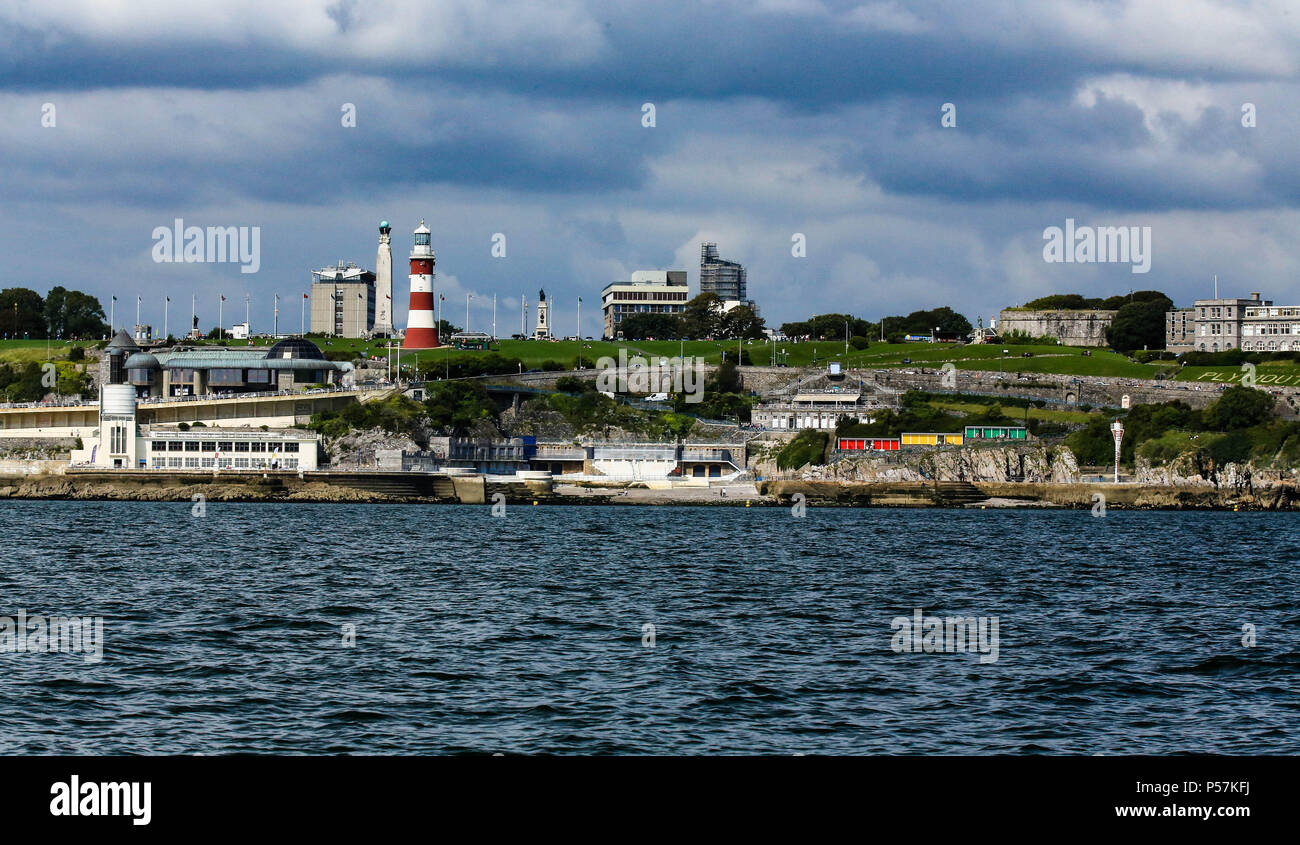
x: 524, y: 634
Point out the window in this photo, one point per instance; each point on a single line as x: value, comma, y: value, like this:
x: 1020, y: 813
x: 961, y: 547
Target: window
x: 290, y: 463
x: 191, y: 463
x: 191, y: 445
x: 159, y: 445
x: 209, y: 446
x: 174, y: 463
x: 241, y: 463
x: 225, y: 446
x: 224, y: 462
x: 159, y: 463
x: 175, y: 446
x: 208, y: 463
x: 291, y: 447
x: 241, y: 445
x: 258, y: 447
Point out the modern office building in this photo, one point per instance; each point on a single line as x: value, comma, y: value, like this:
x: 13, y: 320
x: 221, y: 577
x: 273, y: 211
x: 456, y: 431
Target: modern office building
x: 647, y: 292
x: 1215, y: 325
x: 343, y: 301
x: 718, y: 276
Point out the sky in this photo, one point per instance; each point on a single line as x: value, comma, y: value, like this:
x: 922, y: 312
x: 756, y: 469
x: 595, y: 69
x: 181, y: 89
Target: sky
x: 772, y: 119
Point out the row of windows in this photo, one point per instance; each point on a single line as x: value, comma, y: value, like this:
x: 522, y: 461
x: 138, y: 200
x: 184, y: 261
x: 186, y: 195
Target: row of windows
x: 648, y: 309
x: 223, y: 463
x: 1262, y: 330
x: 1273, y: 312
x: 649, y: 296
x: 223, y: 446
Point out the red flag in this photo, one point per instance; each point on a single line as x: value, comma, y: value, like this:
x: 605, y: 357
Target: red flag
x: 304, y: 296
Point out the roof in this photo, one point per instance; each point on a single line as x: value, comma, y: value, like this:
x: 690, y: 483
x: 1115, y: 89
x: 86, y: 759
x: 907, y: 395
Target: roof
x: 295, y: 347
x: 122, y: 340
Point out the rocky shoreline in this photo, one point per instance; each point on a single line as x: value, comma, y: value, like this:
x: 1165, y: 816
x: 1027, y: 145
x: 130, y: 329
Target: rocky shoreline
x: 378, y: 488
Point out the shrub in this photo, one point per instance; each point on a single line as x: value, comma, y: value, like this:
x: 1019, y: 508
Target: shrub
x: 808, y: 447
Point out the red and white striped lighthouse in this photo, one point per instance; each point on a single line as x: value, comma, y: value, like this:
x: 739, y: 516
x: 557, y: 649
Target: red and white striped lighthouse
x: 420, y: 330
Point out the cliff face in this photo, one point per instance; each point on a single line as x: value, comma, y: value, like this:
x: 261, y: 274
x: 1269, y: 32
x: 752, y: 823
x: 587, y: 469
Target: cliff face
x: 1191, y: 470
x: 1022, y: 462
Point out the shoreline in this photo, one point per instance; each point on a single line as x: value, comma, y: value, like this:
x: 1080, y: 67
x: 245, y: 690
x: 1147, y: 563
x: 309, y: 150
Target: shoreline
x: 411, y: 488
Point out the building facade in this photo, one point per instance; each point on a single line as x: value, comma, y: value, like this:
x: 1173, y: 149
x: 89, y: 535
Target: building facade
x: 343, y: 301
x: 721, y: 277
x: 1070, y: 327
x: 814, y: 409
x: 648, y: 292
x: 291, y: 364
x: 121, y: 442
x: 1252, y: 325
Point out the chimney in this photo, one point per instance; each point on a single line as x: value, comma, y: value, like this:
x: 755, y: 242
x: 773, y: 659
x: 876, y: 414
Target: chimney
x: 1254, y: 295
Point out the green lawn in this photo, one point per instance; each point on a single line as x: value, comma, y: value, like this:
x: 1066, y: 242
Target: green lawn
x: 1274, y: 373
x: 22, y: 351
x: 1014, y: 413
x: 1045, y: 359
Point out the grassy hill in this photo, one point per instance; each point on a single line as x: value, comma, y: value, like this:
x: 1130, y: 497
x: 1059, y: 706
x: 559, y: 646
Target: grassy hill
x: 1067, y: 360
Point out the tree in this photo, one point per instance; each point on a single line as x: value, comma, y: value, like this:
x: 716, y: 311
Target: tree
x: 828, y: 327
x: 642, y: 326
x: 1238, y: 407
x: 726, y: 379
x: 22, y: 313
x: 1140, y: 324
x: 741, y: 322
x: 73, y: 314
x: 702, y: 316
x: 446, y: 330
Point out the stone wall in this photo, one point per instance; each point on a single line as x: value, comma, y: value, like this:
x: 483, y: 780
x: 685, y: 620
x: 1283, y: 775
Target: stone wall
x: 1073, y: 328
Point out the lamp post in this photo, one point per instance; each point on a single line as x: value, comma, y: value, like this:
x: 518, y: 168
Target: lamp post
x: 1117, y: 429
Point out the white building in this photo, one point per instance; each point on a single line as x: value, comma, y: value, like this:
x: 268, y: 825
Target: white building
x: 121, y: 443
x: 239, y: 331
x: 647, y: 292
x: 815, y: 409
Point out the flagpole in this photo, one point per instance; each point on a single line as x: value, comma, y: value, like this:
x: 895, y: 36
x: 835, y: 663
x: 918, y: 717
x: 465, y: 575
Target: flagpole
x: 494, y: 316
x: 275, y: 326
x: 166, y: 301
x: 112, y: 316
x: 138, y: 300
x: 221, y: 320
x: 302, y: 318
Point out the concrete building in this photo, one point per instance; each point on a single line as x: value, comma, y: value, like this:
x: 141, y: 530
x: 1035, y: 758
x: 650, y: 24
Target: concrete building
x: 812, y: 409
x: 343, y: 301
x: 721, y: 277
x: 1252, y: 325
x: 664, y: 462
x: 120, y: 441
x: 1180, y: 330
x: 293, y: 364
x: 648, y: 292
x: 1072, y: 328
